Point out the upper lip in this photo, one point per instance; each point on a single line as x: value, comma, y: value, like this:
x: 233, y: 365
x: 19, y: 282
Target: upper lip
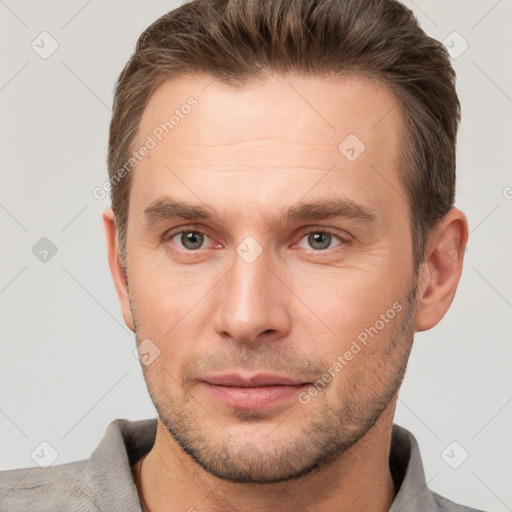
x: 249, y: 381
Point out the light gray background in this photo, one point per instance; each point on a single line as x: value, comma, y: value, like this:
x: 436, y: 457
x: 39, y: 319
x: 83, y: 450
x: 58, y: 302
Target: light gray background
x: 67, y: 367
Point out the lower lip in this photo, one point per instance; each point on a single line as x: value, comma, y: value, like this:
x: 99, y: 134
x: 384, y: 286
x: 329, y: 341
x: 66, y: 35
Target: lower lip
x: 254, y: 398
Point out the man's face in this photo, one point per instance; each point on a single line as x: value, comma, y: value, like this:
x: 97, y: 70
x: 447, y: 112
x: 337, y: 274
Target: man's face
x: 265, y: 291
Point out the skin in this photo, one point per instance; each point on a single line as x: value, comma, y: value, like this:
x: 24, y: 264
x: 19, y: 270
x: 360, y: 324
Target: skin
x: 250, y: 154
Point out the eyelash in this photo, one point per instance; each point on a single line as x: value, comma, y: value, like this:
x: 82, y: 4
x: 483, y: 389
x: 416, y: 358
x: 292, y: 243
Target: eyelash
x: 305, y: 231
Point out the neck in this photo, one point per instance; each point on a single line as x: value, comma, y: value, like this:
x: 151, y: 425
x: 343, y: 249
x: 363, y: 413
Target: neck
x: 359, y: 479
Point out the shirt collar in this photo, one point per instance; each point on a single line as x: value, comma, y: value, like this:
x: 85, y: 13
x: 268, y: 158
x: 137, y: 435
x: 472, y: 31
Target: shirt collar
x: 127, y: 441
x: 405, y: 462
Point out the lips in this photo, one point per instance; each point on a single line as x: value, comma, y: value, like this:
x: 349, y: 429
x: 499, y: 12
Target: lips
x: 253, y: 392
x: 258, y: 380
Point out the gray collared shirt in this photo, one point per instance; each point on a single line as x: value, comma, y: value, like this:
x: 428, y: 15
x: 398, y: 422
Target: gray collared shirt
x: 104, y: 482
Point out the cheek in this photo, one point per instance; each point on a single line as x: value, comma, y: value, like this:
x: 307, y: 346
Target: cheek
x: 170, y: 307
x: 350, y: 300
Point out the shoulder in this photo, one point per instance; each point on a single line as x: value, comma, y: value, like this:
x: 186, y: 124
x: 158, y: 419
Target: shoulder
x: 61, y: 487
x: 408, y: 473
x: 102, y: 482
x: 446, y: 505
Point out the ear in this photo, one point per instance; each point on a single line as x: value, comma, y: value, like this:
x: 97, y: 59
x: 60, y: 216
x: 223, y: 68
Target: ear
x: 440, y: 272
x: 116, y: 267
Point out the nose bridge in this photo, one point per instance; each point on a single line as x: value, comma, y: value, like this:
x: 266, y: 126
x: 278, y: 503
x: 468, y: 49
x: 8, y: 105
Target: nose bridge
x: 251, y: 302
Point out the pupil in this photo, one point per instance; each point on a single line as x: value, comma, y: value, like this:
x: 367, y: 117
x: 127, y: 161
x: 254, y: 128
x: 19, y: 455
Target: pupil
x: 192, y: 240
x: 320, y: 240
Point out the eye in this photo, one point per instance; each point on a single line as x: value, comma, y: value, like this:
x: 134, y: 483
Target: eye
x: 189, y: 239
x: 320, y: 240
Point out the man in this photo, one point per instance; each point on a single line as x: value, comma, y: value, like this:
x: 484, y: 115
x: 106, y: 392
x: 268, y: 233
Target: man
x: 282, y: 178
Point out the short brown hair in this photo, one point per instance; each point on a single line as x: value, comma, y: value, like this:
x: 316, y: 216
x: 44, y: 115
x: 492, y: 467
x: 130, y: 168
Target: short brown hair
x: 240, y: 40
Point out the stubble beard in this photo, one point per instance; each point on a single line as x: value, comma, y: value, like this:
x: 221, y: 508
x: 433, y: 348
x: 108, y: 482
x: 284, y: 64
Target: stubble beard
x: 329, y: 432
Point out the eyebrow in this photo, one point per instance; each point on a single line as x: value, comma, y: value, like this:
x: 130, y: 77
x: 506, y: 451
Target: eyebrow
x: 167, y: 208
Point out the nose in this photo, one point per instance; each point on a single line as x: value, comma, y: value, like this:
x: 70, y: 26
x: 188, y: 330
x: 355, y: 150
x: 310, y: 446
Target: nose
x: 252, y: 304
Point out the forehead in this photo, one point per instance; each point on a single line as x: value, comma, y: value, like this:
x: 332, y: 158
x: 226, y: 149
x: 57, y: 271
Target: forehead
x: 267, y: 135
x: 304, y: 109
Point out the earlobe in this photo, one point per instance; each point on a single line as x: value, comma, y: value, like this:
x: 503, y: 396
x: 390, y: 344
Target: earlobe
x: 116, y: 268
x: 440, y: 272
